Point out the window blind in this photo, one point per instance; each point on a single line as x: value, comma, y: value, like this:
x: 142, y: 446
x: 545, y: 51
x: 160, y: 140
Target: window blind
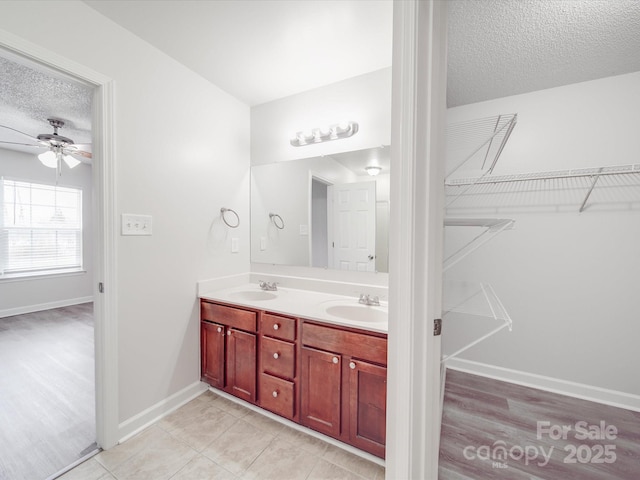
x: 41, y: 228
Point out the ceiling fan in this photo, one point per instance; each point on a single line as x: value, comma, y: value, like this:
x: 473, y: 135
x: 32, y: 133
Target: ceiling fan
x: 58, y: 148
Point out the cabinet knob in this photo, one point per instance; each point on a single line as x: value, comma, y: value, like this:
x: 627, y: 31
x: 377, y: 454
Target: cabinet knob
x: 219, y: 329
x: 228, y: 332
x: 276, y: 355
x: 276, y: 326
x: 275, y: 394
x: 335, y: 360
x: 352, y: 365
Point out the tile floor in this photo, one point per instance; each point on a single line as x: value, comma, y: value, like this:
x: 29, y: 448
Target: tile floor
x: 214, y: 438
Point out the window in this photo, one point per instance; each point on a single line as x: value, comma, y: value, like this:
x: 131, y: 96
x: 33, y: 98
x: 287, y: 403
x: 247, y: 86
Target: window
x: 41, y: 229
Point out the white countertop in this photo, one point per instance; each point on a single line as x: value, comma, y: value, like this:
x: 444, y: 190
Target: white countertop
x: 306, y: 304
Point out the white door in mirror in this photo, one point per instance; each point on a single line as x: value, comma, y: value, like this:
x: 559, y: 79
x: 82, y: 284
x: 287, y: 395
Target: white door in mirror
x: 354, y: 226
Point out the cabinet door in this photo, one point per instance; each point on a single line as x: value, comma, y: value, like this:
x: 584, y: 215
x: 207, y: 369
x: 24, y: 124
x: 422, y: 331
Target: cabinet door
x: 321, y: 391
x: 368, y: 406
x: 241, y: 364
x: 212, y: 353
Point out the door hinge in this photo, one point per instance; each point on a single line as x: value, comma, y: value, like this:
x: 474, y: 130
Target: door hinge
x: 437, y: 327
x: 100, y: 287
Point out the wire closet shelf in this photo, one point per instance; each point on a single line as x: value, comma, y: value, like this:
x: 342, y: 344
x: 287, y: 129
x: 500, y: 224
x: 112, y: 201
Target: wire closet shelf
x: 613, y: 184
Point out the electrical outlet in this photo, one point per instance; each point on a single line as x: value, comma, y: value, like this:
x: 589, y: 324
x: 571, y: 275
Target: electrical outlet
x: 304, y: 230
x: 136, y: 224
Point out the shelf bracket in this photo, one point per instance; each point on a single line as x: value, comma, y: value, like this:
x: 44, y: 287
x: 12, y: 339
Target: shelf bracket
x: 593, y: 185
x: 493, y: 228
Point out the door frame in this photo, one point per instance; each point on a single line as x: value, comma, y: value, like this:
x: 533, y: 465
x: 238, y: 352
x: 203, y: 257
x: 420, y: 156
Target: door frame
x: 416, y: 232
x: 104, y: 232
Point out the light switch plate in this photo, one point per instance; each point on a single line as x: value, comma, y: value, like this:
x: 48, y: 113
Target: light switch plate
x: 235, y: 245
x: 133, y: 224
x: 304, y: 230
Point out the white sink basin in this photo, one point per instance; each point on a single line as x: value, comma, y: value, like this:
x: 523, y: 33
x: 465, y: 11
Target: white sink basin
x: 358, y: 312
x: 253, y: 295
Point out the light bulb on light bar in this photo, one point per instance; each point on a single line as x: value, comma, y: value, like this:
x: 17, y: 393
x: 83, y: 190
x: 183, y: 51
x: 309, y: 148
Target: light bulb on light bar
x: 324, y: 134
x: 49, y: 159
x: 373, y: 170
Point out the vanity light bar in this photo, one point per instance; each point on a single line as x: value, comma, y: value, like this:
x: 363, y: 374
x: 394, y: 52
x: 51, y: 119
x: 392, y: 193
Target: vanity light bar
x: 324, y: 134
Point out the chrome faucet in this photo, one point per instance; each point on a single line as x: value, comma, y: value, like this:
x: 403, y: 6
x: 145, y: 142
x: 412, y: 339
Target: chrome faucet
x: 366, y: 299
x: 271, y: 286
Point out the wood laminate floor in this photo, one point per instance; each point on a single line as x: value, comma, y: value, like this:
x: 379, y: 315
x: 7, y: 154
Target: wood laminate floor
x: 499, y: 430
x: 47, y: 408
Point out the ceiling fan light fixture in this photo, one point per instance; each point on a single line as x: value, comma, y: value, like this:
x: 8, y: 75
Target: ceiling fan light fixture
x: 49, y: 159
x: 70, y: 161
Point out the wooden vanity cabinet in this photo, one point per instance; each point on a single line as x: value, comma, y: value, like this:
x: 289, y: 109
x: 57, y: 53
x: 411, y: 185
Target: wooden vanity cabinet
x: 329, y: 378
x: 229, y: 349
x: 278, y: 377
x: 344, y: 385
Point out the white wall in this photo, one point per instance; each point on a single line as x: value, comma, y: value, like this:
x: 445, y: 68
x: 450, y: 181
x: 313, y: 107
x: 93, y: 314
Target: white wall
x: 365, y: 99
x: 30, y: 294
x: 568, y: 279
x: 182, y: 153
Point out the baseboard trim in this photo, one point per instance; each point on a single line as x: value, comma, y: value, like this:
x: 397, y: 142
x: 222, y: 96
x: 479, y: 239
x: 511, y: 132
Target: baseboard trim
x: 142, y: 420
x: 10, y: 312
x: 578, y: 390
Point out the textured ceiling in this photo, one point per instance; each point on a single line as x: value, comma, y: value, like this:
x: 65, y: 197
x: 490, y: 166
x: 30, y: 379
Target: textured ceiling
x: 29, y: 95
x: 499, y: 48
x: 496, y: 48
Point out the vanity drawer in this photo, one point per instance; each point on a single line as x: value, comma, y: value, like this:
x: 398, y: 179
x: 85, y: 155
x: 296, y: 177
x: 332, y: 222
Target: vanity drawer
x: 278, y: 357
x: 357, y: 345
x: 278, y: 326
x: 277, y: 395
x: 232, y: 317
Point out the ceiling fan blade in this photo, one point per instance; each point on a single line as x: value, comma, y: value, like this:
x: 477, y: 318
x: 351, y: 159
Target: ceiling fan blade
x: 79, y: 153
x: 80, y: 149
x: 23, y: 144
x: 18, y: 131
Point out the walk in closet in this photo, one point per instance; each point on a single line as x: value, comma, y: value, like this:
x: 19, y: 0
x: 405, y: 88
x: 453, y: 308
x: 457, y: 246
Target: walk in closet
x: 542, y: 215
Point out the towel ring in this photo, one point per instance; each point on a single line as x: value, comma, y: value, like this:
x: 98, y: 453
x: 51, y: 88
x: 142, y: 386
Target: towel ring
x: 225, y: 210
x: 277, y: 220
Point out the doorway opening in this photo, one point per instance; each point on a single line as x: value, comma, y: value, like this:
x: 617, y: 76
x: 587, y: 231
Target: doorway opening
x: 320, y: 245
x: 101, y: 232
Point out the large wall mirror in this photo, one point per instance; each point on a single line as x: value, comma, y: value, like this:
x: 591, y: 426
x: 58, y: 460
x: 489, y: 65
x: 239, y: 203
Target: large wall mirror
x: 328, y: 212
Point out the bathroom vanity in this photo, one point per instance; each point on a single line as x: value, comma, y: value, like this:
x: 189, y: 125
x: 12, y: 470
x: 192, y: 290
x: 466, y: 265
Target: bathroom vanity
x: 316, y: 359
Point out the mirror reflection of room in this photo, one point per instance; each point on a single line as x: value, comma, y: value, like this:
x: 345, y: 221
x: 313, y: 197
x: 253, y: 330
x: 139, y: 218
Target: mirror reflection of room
x: 326, y: 212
